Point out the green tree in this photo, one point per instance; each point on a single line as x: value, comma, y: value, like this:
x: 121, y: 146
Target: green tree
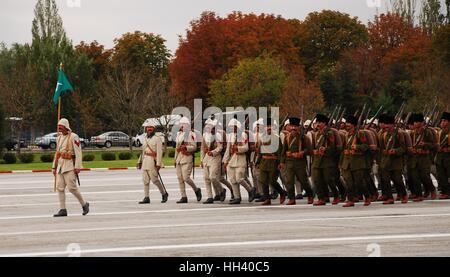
x: 253, y: 82
x: 431, y: 17
x: 441, y: 44
x: 2, y: 127
x: 324, y: 35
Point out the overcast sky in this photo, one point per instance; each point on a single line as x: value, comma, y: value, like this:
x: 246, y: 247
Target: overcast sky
x: 104, y: 20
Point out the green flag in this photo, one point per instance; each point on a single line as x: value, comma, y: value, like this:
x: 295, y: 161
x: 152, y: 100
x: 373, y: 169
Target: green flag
x: 62, y: 86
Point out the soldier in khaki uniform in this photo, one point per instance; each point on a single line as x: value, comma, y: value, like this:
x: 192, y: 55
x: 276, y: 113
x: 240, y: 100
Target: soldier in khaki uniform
x: 235, y: 161
x: 150, y: 162
x: 211, y: 161
x: 267, y: 162
x: 324, y: 159
x: 293, y: 159
x: 392, y: 149
x: 184, y: 162
x: 421, y: 159
x: 443, y: 156
x: 353, y: 163
x: 66, y: 166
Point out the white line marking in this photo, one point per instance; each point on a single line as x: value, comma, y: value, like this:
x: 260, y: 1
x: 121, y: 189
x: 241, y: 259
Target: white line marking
x: 242, y: 223
x: 238, y: 243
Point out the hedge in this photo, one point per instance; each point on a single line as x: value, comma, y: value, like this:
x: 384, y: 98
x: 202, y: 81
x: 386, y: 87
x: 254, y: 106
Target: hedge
x: 108, y: 156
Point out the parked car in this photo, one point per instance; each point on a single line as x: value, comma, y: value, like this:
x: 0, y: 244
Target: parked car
x: 138, y: 139
x: 109, y: 139
x: 12, y: 144
x: 49, y: 141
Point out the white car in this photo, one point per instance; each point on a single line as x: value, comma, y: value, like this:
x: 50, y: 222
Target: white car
x: 138, y: 139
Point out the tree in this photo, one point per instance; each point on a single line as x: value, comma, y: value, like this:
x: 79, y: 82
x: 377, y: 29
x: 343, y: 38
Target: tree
x: 405, y: 9
x: 255, y: 82
x: 299, y: 92
x: 324, y: 35
x: 2, y: 127
x: 100, y: 57
x: 441, y: 44
x: 431, y: 17
x: 213, y: 45
x: 143, y: 51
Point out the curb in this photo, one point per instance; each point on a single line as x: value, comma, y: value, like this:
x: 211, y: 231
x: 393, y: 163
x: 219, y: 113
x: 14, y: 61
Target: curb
x: 83, y: 169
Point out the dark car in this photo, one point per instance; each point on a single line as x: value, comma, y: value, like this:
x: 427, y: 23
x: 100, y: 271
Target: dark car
x: 12, y: 144
x: 108, y: 139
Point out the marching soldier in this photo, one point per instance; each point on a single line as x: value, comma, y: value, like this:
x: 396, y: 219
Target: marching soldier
x: 150, y: 162
x: 235, y: 161
x: 324, y: 159
x: 211, y: 161
x: 255, y: 148
x: 293, y: 160
x: 184, y: 162
x: 353, y: 162
x: 267, y: 161
x: 443, y: 157
x: 67, y: 165
x: 421, y: 160
x: 392, y: 149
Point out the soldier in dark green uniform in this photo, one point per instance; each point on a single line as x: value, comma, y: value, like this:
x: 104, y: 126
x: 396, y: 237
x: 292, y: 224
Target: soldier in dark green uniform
x: 421, y: 159
x: 324, y: 159
x: 443, y: 157
x: 392, y: 149
x: 353, y: 163
x: 293, y: 158
x: 267, y: 162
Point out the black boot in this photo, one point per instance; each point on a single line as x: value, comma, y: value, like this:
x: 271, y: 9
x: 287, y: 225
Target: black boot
x: 235, y: 201
x: 261, y: 199
x: 198, y: 193
x: 258, y: 196
x: 223, y: 195
x: 217, y: 197
x: 165, y: 197
x: 209, y: 201
x: 251, y: 195
x: 86, y: 208
x: 182, y: 200
x: 299, y: 196
x: 274, y: 195
x: 62, y: 212
x: 146, y: 200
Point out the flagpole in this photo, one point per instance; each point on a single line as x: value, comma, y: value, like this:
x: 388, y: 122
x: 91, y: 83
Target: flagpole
x: 59, y: 117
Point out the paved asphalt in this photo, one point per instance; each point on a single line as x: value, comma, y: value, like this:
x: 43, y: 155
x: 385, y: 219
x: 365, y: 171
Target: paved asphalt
x: 118, y: 226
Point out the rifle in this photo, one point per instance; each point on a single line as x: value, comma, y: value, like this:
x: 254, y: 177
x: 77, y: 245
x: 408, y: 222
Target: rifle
x: 358, y: 127
x: 427, y: 124
x: 339, y: 121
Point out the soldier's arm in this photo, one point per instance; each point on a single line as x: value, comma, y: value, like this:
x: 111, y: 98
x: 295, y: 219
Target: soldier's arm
x: 307, y: 145
x: 331, y: 149
x: 428, y: 140
x: 363, y: 145
x: 191, y: 146
x: 244, y: 147
x: 159, y: 151
x: 77, y: 151
x: 202, y: 152
x: 226, y: 156
x: 284, y: 149
x: 218, y: 149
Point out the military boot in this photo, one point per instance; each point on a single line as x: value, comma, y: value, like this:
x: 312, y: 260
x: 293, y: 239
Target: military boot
x: 165, y: 197
x: 209, y: 201
x: 62, y: 212
x: 146, y: 200
x: 198, y: 193
x: 235, y: 201
x: 223, y: 195
x: 183, y: 200
x: 86, y: 208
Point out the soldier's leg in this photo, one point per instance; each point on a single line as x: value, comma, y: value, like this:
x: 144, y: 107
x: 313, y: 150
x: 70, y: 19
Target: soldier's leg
x: 386, y: 183
x: 350, y: 185
x: 443, y: 174
x: 187, y: 170
x: 358, y: 177
x: 146, y: 181
x: 340, y: 185
x: 181, y: 181
x: 329, y: 176
x: 317, y: 177
x: 416, y: 185
x: 397, y: 179
x: 425, y: 178
x: 264, y: 183
x: 61, y: 187
x: 214, y: 176
x: 371, y: 187
x: 232, y: 174
x: 206, y: 177
x: 71, y: 182
x: 302, y: 176
x: 240, y: 176
x: 290, y: 174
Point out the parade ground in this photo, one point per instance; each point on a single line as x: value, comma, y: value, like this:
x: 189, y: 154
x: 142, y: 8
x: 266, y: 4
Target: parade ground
x: 118, y: 226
